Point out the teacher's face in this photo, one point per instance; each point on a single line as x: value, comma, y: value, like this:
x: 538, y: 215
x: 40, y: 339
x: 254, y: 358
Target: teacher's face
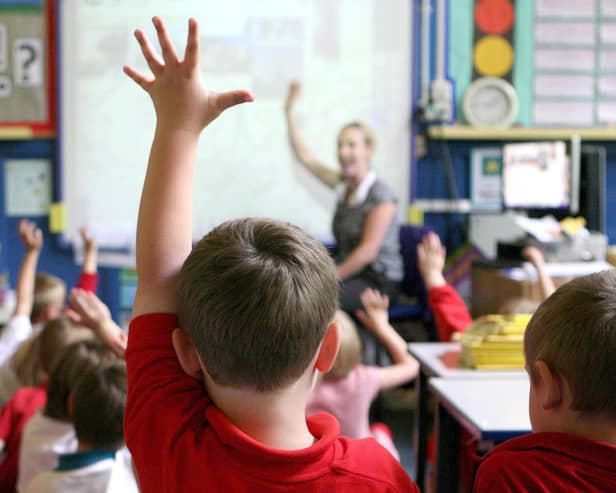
x: 354, y: 153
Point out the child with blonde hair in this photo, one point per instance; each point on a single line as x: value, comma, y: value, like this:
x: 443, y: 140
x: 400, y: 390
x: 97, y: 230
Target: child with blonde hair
x: 40, y: 297
x: 348, y: 389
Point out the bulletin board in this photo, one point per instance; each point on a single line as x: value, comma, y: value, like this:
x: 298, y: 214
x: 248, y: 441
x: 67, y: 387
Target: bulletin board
x: 565, y: 60
x: 353, y: 58
x: 27, y: 75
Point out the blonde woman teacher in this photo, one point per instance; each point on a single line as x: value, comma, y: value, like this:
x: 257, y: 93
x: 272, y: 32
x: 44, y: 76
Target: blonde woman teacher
x: 364, y: 224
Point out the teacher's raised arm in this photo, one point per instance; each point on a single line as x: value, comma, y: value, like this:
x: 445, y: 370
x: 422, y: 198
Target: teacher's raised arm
x: 364, y: 226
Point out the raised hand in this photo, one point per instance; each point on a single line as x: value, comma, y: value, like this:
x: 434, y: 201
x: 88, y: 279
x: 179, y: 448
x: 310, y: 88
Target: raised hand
x: 89, y: 242
x: 533, y: 255
x: 88, y: 310
x: 30, y: 235
x: 374, y: 315
x: 431, y: 260
x: 292, y: 95
x: 181, y: 99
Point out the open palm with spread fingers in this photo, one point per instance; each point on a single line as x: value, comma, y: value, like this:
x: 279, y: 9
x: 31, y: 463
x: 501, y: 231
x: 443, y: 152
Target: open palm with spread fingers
x: 181, y: 99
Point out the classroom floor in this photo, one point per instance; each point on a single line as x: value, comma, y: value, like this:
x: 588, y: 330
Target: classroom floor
x: 398, y: 414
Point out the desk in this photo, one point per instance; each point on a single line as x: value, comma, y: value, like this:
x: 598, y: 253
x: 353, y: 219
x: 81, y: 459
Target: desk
x: 492, y: 287
x: 490, y: 409
x: 439, y: 359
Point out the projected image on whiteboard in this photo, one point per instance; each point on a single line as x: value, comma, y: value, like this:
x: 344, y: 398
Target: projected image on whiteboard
x: 536, y: 176
x: 352, y: 67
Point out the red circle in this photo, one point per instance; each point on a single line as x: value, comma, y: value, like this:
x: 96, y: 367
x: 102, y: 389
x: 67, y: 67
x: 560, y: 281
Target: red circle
x: 494, y: 16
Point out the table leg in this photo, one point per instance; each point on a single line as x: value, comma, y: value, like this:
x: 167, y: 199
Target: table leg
x: 448, y: 452
x: 420, y: 435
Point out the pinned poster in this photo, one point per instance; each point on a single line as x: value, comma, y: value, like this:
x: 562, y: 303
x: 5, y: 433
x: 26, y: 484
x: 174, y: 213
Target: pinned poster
x: 28, y: 62
x: 4, y: 49
x: 25, y: 78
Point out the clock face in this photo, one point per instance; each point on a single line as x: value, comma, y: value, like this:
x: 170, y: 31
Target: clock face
x: 490, y: 102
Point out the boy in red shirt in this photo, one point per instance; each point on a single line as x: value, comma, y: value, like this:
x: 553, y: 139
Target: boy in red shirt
x: 227, y: 339
x: 569, y: 348
x: 450, y: 312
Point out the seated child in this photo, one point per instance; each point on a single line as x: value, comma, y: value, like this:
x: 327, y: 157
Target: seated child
x: 217, y: 393
x: 101, y: 463
x: 348, y: 389
x: 450, y: 312
x: 39, y: 298
x: 54, y: 337
x: 569, y: 347
x: 50, y: 433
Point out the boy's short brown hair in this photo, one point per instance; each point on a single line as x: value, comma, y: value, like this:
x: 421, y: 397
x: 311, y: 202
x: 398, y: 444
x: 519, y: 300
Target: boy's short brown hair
x: 98, y: 406
x: 349, y: 354
x: 48, y: 290
x: 574, y: 333
x: 76, y: 359
x: 256, y: 296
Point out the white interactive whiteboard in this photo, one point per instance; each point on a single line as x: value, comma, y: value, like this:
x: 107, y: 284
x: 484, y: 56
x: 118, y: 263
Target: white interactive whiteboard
x: 352, y: 57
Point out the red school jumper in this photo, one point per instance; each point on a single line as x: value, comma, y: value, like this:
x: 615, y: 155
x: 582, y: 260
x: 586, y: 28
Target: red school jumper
x: 13, y: 419
x: 17, y: 412
x: 450, y: 312
x: 180, y: 441
x: 548, y: 462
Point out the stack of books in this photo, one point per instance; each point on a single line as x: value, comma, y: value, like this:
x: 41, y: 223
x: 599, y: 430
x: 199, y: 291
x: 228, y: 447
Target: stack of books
x: 494, y: 342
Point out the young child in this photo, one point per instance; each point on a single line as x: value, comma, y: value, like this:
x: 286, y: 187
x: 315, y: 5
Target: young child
x: 348, y: 389
x: 39, y: 298
x: 101, y: 463
x: 50, y: 433
x: 569, y: 347
x: 219, y: 404
x: 54, y: 337
x: 450, y: 312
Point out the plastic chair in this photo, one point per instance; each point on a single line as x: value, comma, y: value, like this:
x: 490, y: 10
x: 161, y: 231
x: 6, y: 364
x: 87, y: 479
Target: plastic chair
x: 413, y: 302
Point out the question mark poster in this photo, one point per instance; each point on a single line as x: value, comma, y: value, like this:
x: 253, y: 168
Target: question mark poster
x: 23, y: 62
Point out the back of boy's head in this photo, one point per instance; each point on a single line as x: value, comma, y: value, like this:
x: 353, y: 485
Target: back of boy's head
x: 574, y: 333
x: 349, y: 354
x: 76, y: 359
x: 256, y: 297
x: 98, y: 406
x: 35, y: 357
x: 56, y: 335
x: 49, y: 291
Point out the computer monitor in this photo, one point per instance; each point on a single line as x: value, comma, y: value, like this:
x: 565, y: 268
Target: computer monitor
x: 587, y: 190
x: 537, y: 175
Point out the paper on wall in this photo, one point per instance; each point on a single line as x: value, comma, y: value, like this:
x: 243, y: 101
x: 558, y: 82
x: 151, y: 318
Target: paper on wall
x: 560, y: 59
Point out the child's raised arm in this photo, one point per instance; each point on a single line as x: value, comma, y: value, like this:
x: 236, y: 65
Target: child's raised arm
x: 90, y: 251
x: 88, y: 279
x: 87, y: 309
x: 374, y: 317
x: 184, y: 107
x: 32, y: 239
x: 536, y: 258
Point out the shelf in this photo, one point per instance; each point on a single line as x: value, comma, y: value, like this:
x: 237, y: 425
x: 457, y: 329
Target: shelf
x: 24, y: 133
x: 466, y: 132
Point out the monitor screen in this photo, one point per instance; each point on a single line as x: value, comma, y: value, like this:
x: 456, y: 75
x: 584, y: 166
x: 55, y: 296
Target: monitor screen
x: 536, y: 175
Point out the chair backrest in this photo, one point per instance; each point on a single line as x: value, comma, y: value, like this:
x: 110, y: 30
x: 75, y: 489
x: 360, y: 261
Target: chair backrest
x: 412, y: 283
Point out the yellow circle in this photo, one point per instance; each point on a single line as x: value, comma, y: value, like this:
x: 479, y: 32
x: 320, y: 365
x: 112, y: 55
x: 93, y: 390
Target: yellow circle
x: 493, y: 56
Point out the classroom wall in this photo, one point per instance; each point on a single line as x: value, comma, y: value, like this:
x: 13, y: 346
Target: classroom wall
x: 428, y: 176
x: 431, y: 182
x: 55, y: 259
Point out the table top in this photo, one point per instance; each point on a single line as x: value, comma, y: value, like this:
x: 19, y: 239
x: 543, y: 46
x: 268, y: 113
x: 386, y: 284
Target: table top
x: 493, y: 409
x: 440, y: 359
